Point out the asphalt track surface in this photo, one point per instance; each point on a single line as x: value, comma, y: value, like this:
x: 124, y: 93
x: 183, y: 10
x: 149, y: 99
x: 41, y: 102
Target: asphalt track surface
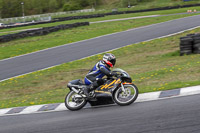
x: 174, y: 115
x: 54, y: 56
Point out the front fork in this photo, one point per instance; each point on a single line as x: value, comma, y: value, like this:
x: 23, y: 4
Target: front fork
x: 123, y: 89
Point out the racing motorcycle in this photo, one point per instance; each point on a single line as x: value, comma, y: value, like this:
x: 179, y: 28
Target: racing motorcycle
x: 119, y: 88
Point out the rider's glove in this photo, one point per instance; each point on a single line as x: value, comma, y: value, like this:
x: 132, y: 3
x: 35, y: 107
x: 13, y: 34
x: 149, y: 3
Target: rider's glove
x: 114, y: 74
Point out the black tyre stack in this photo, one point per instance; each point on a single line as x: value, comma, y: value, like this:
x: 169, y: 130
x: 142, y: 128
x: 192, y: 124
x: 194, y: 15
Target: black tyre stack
x: 196, y: 44
x: 40, y: 31
x: 190, y: 44
x: 186, y: 45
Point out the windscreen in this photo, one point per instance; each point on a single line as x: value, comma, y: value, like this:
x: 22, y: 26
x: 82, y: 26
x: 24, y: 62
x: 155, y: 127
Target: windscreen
x: 124, y: 73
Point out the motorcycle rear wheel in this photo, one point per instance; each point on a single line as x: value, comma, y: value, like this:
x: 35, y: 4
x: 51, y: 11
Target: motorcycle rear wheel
x: 73, y: 101
x: 127, y: 97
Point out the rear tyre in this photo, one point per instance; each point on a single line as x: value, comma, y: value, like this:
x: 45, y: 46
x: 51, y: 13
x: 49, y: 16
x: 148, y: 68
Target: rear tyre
x: 74, y: 101
x: 127, y: 97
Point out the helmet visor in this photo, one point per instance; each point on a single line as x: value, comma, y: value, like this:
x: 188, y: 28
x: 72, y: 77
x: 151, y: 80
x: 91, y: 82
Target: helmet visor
x: 113, y: 61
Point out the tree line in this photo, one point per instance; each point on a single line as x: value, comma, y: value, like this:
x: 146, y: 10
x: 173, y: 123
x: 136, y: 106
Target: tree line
x: 14, y: 8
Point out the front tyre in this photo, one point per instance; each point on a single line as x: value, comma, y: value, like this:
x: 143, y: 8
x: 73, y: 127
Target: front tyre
x: 74, y: 101
x: 127, y: 97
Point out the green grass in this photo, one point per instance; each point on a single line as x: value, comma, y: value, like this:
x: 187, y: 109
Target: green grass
x: 153, y: 66
x: 6, y: 33
x: 162, y: 3
x: 107, y: 6
x: 182, y: 10
x: 17, y: 29
x: 32, y: 44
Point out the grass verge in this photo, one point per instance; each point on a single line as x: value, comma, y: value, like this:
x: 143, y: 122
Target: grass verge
x: 182, y: 10
x: 32, y: 44
x: 153, y: 66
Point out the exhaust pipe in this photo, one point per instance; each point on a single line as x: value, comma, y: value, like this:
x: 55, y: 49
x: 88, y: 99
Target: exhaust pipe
x: 75, y: 90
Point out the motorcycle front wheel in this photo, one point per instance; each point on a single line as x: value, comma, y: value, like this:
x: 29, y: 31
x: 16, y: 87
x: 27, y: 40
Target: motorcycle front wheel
x: 74, y: 101
x: 127, y: 97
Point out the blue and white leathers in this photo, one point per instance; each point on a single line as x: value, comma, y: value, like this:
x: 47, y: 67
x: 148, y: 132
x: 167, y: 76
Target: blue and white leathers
x: 97, y: 72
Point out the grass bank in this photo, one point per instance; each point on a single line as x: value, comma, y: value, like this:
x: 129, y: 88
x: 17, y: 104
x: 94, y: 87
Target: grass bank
x: 106, y: 6
x: 32, y: 44
x: 149, y: 4
x: 153, y: 66
x: 182, y: 10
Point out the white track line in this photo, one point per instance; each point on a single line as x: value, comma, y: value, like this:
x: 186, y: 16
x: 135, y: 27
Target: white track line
x: 99, y: 52
x: 190, y: 90
x: 92, y: 39
x: 4, y: 111
x: 148, y: 96
x: 61, y: 107
x: 31, y: 109
x: 112, y: 20
x: 141, y: 98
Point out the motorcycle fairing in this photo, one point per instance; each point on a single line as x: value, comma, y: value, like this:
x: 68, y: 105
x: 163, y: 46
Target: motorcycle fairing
x: 109, y: 86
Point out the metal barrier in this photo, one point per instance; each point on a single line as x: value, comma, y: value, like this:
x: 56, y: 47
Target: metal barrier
x: 41, y: 17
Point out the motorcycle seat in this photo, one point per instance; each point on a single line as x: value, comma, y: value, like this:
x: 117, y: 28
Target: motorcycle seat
x: 76, y: 83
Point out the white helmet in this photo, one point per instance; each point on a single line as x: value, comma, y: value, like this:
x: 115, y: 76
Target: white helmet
x: 109, y: 59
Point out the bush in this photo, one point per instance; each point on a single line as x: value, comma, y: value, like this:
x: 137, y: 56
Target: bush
x: 84, y: 3
x: 71, y: 6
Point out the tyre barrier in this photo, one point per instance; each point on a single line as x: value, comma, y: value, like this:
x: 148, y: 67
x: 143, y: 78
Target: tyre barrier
x: 79, y: 17
x: 40, y: 31
x: 152, y: 9
x: 55, y: 20
x: 190, y: 44
x: 27, y: 24
x: 100, y: 15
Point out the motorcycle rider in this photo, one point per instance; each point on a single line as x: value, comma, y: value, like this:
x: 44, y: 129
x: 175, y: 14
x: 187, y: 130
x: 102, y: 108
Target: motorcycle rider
x: 94, y: 78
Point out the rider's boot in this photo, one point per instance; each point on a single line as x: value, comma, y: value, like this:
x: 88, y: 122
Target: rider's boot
x: 86, y: 91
